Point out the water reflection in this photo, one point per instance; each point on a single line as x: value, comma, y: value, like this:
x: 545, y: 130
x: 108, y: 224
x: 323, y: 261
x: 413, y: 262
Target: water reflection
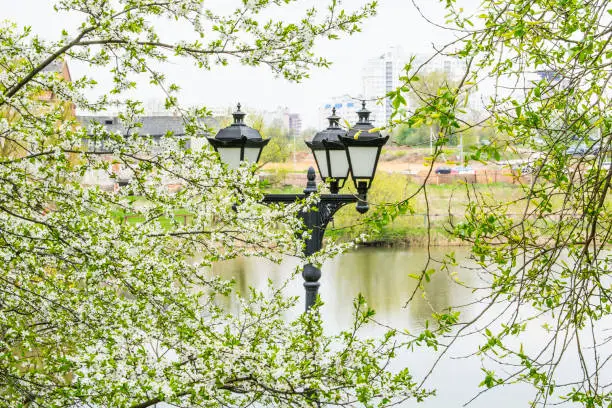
x: 383, y: 277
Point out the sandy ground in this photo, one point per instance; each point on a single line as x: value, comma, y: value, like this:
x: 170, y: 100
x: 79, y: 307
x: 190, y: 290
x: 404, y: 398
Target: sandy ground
x: 302, y: 161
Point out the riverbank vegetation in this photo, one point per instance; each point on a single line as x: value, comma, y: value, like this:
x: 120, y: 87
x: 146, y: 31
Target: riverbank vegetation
x: 427, y: 223
x: 549, y: 64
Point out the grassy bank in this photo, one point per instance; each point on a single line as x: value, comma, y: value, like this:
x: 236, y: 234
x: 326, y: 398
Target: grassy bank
x: 428, y: 221
x: 425, y: 223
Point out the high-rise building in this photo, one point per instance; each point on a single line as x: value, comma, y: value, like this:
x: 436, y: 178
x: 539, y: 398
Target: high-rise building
x: 452, y: 67
x: 346, y: 107
x: 295, y: 124
x: 381, y: 76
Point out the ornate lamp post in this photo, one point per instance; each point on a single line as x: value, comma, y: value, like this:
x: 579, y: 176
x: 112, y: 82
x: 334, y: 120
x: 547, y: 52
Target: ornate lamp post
x: 336, y: 154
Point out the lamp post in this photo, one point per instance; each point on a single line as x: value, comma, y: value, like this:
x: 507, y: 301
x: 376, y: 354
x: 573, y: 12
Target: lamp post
x: 337, y: 154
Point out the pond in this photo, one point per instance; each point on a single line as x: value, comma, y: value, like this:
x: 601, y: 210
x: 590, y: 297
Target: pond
x: 382, y: 276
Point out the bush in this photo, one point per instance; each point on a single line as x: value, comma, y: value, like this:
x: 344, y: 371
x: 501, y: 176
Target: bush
x: 407, y: 136
x: 277, y: 150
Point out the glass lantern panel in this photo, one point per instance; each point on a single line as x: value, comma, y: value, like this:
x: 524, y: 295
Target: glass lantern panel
x: 230, y: 156
x: 321, y: 157
x: 251, y: 154
x: 363, y: 160
x: 339, y: 163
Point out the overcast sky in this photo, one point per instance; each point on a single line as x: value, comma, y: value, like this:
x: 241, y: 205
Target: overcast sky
x: 397, y: 23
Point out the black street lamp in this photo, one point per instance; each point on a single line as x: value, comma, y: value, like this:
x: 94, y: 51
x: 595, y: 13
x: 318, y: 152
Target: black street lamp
x: 238, y: 142
x: 330, y: 154
x: 363, y: 146
x: 336, y: 154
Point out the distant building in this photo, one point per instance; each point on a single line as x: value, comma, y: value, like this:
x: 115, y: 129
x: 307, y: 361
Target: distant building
x: 154, y: 126
x: 275, y: 117
x: 381, y: 75
x: 295, y: 124
x: 151, y: 125
x: 62, y: 70
x: 61, y: 67
x: 452, y: 67
x: 346, y: 107
x: 221, y: 111
x: 283, y: 118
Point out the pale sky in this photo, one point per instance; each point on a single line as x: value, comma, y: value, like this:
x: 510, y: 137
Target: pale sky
x: 397, y: 24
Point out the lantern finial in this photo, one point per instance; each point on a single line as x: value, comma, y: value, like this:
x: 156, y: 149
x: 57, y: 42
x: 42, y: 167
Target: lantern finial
x: 334, y: 121
x: 363, y: 152
x: 363, y: 113
x: 238, y: 115
x: 311, y: 185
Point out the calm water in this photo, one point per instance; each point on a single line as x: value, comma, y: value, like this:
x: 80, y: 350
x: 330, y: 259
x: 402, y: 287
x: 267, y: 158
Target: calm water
x: 382, y: 276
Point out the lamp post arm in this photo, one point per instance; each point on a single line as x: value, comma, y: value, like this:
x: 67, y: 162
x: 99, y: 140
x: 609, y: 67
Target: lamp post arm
x: 317, y: 219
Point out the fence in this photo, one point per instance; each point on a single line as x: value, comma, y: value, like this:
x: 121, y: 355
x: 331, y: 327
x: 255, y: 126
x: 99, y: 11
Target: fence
x: 479, y: 177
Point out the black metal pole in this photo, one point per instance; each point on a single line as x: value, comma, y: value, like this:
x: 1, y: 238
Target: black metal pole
x: 316, y: 221
x: 311, y: 273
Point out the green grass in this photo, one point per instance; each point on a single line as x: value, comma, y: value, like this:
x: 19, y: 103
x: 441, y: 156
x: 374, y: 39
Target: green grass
x: 269, y: 189
x: 411, y: 229
x: 408, y: 229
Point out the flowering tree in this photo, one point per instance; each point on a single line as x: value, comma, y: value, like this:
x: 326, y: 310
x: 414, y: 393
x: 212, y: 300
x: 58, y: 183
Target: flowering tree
x: 98, y: 312
x: 543, y: 255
